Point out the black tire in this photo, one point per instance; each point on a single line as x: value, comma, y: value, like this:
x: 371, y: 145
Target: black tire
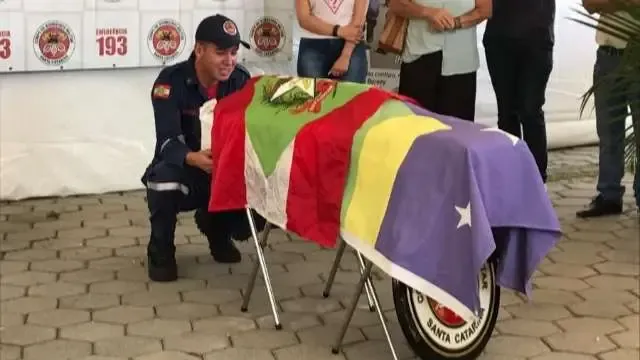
x: 431, y: 338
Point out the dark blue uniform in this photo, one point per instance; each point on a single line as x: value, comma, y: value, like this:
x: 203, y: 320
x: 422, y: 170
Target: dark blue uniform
x: 172, y: 185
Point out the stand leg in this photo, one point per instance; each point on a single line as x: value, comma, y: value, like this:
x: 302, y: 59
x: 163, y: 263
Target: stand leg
x: 352, y: 308
x: 378, y: 308
x: 246, y: 297
x: 334, y: 268
x: 265, y: 271
x: 368, y: 289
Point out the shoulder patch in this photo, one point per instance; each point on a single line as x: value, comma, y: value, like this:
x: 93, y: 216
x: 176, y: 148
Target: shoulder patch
x: 161, y: 91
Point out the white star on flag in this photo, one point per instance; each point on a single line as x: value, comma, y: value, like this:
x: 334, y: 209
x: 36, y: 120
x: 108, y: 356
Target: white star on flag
x: 514, y: 139
x: 308, y: 85
x: 465, y: 215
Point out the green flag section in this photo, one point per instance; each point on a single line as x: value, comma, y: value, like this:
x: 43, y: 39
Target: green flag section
x: 290, y: 103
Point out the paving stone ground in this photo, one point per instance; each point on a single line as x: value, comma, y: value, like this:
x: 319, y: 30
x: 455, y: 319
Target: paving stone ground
x: 73, y: 286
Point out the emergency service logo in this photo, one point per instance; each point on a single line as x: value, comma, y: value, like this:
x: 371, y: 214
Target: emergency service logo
x: 54, y: 43
x: 166, y: 39
x: 268, y: 36
x: 230, y: 28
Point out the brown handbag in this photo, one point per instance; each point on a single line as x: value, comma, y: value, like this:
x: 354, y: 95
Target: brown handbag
x: 393, y: 35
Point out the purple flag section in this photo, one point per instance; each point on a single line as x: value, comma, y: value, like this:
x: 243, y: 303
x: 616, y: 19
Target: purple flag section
x: 481, y: 182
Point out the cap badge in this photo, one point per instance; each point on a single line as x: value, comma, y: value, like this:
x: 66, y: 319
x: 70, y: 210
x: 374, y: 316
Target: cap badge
x: 230, y: 28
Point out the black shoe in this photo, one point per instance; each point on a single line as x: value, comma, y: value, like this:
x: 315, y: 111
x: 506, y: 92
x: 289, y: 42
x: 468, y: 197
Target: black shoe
x: 600, y: 207
x: 239, y: 224
x: 224, y: 251
x: 162, y: 269
x: 220, y: 245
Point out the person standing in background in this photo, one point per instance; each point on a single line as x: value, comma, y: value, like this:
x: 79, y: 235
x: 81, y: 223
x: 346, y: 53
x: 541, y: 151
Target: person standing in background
x: 613, y: 97
x: 331, y: 41
x: 372, y: 19
x: 440, y: 59
x: 518, y: 42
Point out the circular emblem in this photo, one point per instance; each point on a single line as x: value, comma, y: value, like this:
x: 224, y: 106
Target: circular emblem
x: 230, y: 28
x: 166, y: 40
x: 445, y: 327
x: 54, y: 43
x: 268, y: 36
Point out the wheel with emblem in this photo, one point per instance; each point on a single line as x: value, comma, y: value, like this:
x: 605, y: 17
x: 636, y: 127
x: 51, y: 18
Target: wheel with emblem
x: 436, y: 333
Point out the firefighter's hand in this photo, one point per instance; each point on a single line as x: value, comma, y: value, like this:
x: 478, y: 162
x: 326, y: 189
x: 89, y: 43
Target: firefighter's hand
x: 200, y: 159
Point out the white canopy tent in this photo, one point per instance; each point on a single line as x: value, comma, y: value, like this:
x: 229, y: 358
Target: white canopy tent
x: 69, y: 133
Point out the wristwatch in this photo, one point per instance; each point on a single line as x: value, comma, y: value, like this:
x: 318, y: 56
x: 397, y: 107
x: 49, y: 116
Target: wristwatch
x: 335, y: 30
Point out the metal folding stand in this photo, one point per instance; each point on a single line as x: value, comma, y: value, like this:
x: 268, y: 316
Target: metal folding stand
x: 334, y: 269
x: 262, y: 264
x: 364, y: 283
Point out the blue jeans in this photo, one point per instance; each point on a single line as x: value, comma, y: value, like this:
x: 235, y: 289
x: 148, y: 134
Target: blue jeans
x: 610, y: 123
x: 317, y: 56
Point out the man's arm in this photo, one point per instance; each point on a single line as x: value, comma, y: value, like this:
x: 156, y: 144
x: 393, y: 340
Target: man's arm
x: 480, y: 13
x: 167, y: 120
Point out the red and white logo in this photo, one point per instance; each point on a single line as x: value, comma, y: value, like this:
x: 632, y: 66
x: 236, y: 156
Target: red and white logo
x: 268, y: 36
x: 166, y: 40
x: 230, y: 28
x: 54, y: 43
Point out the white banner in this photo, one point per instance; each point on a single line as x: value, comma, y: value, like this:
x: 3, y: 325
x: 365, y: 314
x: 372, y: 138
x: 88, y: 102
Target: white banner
x: 45, y: 35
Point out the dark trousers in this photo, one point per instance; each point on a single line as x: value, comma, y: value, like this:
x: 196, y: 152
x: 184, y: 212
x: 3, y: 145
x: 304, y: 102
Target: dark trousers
x: 519, y: 71
x: 172, y: 189
x: 613, y: 98
x: 453, y: 95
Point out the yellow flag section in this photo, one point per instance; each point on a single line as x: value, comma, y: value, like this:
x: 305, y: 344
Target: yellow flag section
x: 383, y: 151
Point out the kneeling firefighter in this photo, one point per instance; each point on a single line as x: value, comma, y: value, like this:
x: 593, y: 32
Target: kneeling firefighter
x: 178, y: 178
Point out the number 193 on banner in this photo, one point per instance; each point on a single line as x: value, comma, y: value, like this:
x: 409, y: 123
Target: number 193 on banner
x: 113, y: 44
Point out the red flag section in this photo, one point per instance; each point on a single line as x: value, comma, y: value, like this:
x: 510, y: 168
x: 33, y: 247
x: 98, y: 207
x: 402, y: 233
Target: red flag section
x: 321, y: 158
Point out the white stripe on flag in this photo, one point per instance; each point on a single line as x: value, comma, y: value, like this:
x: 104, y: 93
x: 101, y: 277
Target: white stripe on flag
x: 268, y: 195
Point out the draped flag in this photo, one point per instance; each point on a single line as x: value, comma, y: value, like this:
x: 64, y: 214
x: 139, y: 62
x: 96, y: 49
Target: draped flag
x: 417, y: 193
x: 283, y: 146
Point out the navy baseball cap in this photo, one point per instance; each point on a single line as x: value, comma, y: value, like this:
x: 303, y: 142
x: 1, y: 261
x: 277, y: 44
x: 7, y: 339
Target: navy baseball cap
x: 221, y: 31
